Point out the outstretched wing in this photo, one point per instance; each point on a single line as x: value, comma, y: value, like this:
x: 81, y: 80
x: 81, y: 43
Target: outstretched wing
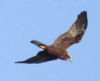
x: 42, y: 56
x: 74, y: 34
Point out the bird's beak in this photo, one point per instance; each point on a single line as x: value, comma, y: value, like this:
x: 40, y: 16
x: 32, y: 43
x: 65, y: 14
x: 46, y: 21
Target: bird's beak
x: 70, y: 60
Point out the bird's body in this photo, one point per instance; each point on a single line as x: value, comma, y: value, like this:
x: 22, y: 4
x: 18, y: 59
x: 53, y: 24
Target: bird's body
x: 59, y: 52
x: 58, y: 49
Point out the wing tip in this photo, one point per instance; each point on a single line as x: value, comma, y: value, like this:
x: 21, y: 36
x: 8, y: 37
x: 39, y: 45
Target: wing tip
x: 19, y: 62
x: 23, y: 62
x: 83, y: 18
x: 83, y: 14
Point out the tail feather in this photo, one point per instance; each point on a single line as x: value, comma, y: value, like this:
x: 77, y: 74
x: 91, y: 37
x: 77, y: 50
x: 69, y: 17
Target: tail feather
x: 36, y: 43
x: 39, y: 44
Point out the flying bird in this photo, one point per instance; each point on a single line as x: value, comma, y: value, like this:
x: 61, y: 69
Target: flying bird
x: 58, y: 50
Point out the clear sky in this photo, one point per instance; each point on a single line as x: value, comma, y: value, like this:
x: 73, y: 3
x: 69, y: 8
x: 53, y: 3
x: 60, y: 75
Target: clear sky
x: 44, y: 20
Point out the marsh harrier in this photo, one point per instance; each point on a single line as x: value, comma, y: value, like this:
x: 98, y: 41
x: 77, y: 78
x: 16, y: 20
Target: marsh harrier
x: 58, y: 49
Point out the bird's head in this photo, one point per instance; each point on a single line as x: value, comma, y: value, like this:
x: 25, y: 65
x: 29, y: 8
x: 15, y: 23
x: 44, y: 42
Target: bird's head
x: 69, y: 58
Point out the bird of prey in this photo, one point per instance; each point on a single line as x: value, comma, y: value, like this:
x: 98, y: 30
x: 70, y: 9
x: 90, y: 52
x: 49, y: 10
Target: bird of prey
x: 57, y: 50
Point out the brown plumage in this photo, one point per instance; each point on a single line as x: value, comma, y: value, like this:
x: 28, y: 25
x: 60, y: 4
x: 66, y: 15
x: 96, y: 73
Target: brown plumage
x: 58, y: 49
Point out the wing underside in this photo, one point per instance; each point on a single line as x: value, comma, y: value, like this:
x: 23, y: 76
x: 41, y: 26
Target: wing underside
x: 42, y: 56
x: 74, y: 34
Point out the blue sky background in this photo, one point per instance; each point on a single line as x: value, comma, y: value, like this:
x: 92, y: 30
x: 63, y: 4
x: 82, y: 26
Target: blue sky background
x: 24, y: 20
